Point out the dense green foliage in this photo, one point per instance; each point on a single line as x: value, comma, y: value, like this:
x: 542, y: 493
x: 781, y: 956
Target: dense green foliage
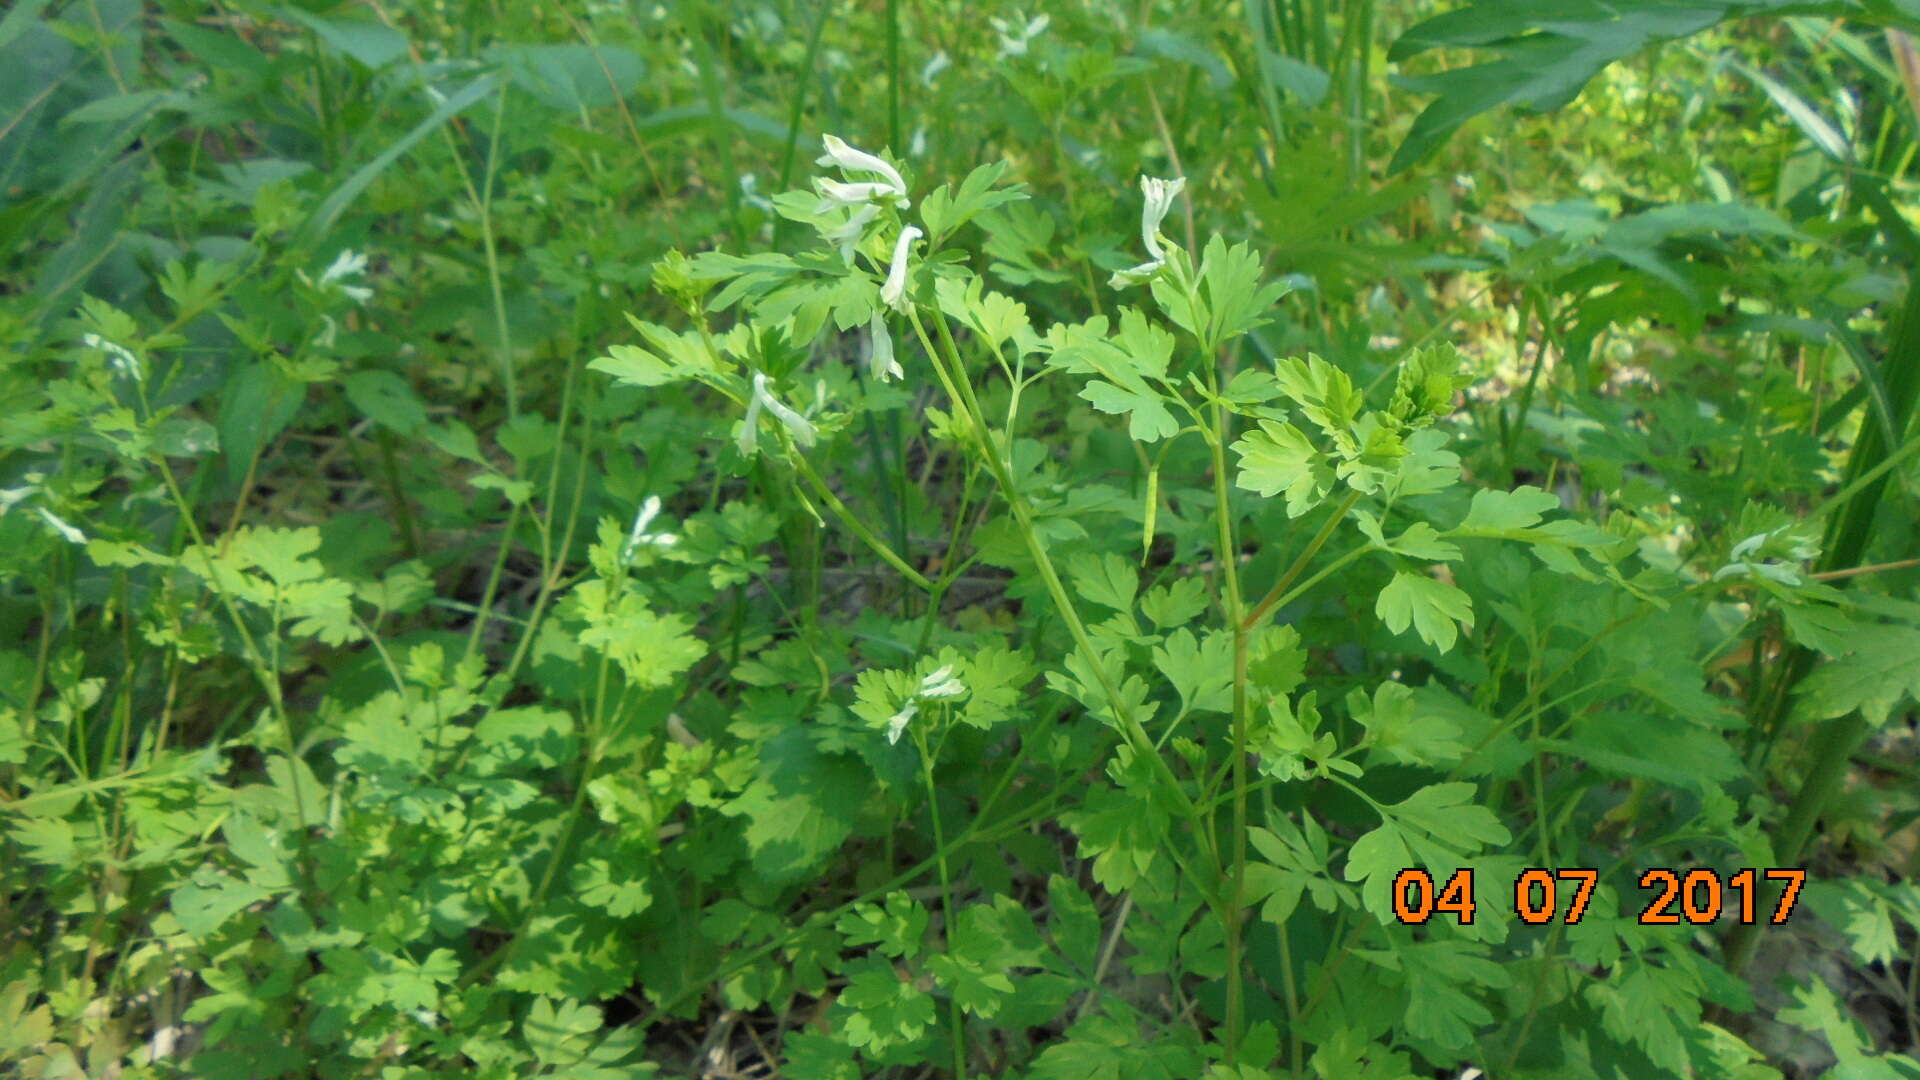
x: 907, y: 539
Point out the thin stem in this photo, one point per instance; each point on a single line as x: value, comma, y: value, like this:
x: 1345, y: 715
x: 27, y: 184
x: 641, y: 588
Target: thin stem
x: 858, y: 527
x: 1279, y: 590
x: 954, y: 1016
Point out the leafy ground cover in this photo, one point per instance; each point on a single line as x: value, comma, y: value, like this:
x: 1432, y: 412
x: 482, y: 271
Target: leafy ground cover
x: 1291, y: 539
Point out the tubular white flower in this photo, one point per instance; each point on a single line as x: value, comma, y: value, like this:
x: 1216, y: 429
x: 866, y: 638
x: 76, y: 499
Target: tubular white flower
x: 801, y: 428
x: 835, y: 194
x: 750, y: 427
x: 345, y: 264
x: 881, y: 363
x: 894, y: 292
x: 859, y: 161
x: 648, y: 511
x: 1160, y: 195
x: 67, y: 532
x: 941, y: 683
x: 1014, y: 42
x: 847, y: 236
x: 897, y: 723
x: 935, y: 66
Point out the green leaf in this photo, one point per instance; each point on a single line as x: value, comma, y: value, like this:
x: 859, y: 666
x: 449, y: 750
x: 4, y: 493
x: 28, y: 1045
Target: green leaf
x: 1426, y: 468
x: 896, y: 930
x: 977, y: 989
x: 1873, y: 678
x: 1548, y: 53
x: 1073, y: 923
x: 1420, y: 541
x: 1200, y: 669
x: 1150, y: 420
x: 1432, y: 607
x: 372, y: 44
x: 1443, y: 812
x: 204, y: 904
x: 942, y: 213
x: 1277, y: 457
x: 1439, y: 975
x: 1495, y: 513
x: 1236, y: 300
x: 1176, y: 603
x: 387, y: 399
x: 1398, y: 729
x: 1424, y: 386
x: 1105, y: 579
x: 885, y: 1010
x: 1324, y: 393
x: 801, y: 808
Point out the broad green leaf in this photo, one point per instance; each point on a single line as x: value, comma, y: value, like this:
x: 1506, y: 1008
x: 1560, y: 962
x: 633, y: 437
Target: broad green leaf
x: 1431, y: 607
x: 1201, y: 669
x: 1176, y: 603
x: 1443, y: 812
x: 1105, y: 579
x: 1400, y: 730
x: 1548, y: 53
x: 1373, y: 861
x: 1439, y: 975
x: 1501, y: 512
x: 1277, y: 457
x: 802, y: 807
x: 1150, y: 420
x: 1882, y: 669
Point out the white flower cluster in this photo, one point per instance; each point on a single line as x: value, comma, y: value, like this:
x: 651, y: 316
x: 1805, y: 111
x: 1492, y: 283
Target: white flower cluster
x: 1015, y: 39
x: 865, y: 199
x: 940, y: 684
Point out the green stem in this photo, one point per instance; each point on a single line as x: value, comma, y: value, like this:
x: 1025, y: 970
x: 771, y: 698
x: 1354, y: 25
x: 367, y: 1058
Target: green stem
x: 954, y: 1016
x: 858, y: 527
x: 1279, y: 590
x: 960, y: 390
x: 1229, y: 559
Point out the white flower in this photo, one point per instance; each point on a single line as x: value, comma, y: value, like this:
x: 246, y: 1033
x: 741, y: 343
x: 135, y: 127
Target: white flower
x: 941, y: 683
x: 894, y: 292
x: 834, y: 194
x: 847, y: 236
x: 803, y: 432
x: 67, y: 532
x: 881, y: 362
x: 1160, y: 195
x: 344, y: 265
x: 935, y: 66
x: 859, y: 161
x: 648, y: 511
x: 123, y: 357
x: 750, y: 192
x: 917, y: 146
x: 1014, y: 42
x: 897, y: 723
